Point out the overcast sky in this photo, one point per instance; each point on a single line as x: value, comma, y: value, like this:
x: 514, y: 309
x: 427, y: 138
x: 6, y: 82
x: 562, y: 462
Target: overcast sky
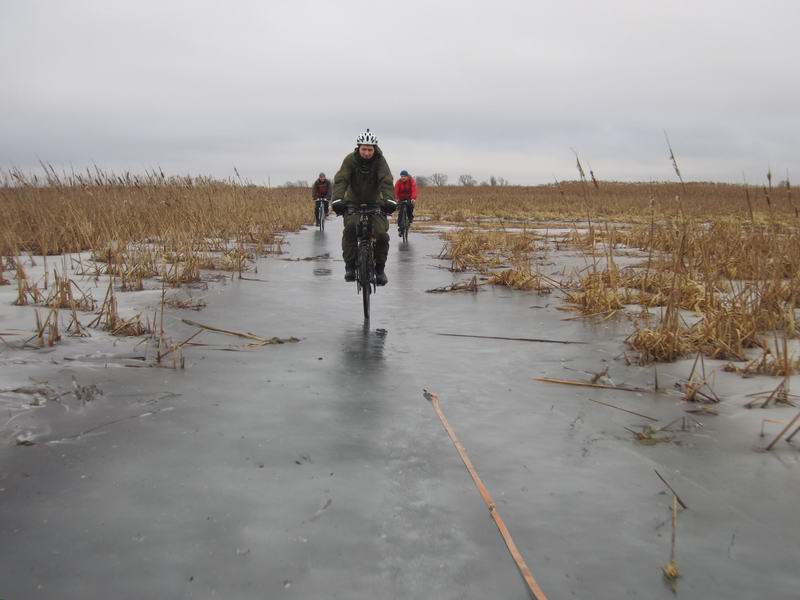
x: 280, y: 89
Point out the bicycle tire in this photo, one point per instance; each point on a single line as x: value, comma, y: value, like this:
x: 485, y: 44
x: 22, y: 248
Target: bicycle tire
x: 402, y: 222
x: 321, y: 216
x: 364, y: 276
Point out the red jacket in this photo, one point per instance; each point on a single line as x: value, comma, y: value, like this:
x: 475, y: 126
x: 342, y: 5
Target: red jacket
x: 405, y: 191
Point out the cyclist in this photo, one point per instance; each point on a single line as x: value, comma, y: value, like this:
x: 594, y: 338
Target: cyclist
x: 364, y: 178
x: 321, y: 190
x: 405, y: 190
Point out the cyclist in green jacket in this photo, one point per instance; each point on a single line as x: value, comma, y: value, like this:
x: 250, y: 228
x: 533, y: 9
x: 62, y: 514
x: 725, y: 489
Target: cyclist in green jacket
x: 364, y: 178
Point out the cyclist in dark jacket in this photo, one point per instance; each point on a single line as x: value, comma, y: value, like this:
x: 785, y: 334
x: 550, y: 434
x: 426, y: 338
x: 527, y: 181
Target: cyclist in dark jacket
x: 364, y: 178
x: 321, y: 190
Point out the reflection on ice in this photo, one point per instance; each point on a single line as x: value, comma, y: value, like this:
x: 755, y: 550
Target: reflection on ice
x: 363, y: 347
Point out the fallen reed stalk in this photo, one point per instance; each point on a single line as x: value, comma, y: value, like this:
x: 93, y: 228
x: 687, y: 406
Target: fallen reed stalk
x: 533, y: 587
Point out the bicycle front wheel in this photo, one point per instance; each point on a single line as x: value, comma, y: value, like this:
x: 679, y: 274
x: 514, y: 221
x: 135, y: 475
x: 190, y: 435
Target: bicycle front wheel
x: 321, y: 217
x: 366, y: 280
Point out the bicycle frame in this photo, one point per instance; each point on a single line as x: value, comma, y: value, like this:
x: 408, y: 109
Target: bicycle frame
x: 402, y: 219
x: 365, y: 267
x: 321, y: 213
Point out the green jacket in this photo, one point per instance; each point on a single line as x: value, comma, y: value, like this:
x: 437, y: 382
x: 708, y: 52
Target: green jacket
x: 364, y: 182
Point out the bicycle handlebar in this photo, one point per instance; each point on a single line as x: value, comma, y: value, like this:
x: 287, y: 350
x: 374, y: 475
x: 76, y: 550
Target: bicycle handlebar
x: 364, y: 210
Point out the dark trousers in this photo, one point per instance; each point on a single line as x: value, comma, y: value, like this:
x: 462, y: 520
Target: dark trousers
x: 410, y: 209
x: 380, y: 228
x: 325, y: 200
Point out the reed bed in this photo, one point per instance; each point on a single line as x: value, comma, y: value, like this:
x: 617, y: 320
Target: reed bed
x: 521, y: 277
x: 472, y: 249
x: 726, y: 255
x: 742, y: 281
x: 503, y: 257
x: 107, y: 214
x: 608, y: 202
x: 132, y: 229
x: 721, y: 262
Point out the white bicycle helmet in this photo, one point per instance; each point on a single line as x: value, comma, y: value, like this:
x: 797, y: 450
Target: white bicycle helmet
x: 366, y: 137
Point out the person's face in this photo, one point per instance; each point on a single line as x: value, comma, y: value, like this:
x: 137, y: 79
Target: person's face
x: 404, y: 178
x: 366, y: 152
x: 322, y: 177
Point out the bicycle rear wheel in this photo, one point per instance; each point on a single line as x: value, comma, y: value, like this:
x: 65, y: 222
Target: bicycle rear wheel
x: 365, y: 279
x: 401, y: 221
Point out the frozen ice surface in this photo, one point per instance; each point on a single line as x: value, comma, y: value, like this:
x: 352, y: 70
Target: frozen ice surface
x: 317, y: 469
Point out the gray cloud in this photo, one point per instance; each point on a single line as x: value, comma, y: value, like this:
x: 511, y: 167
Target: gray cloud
x: 280, y: 89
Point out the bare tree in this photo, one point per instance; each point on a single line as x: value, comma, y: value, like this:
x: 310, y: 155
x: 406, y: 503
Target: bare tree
x: 423, y: 181
x: 502, y: 181
x: 438, y: 179
x: 467, y: 180
x: 492, y: 180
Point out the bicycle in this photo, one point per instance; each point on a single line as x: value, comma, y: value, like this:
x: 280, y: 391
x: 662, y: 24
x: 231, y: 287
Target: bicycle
x: 403, y: 222
x: 321, y: 213
x: 365, y: 261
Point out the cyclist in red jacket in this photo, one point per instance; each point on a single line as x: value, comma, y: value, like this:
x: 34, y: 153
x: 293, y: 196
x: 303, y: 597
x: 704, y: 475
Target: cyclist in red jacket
x: 405, y: 190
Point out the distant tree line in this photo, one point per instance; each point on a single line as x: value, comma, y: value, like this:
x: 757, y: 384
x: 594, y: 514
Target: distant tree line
x: 434, y: 179
x: 466, y: 180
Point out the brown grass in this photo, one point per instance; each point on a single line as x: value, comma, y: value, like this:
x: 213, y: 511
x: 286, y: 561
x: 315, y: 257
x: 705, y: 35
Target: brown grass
x: 728, y: 254
x: 95, y: 212
x: 610, y: 201
x: 136, y: 228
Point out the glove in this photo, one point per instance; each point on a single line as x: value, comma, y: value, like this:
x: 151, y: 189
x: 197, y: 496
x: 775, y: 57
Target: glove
x: 389, y: 206
x: 339, y: 207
